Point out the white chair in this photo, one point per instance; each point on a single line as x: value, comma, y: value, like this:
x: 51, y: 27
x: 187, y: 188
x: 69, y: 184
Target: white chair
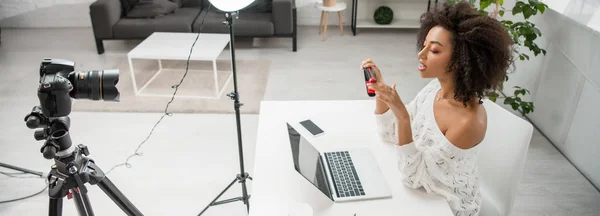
x: 501, y: 159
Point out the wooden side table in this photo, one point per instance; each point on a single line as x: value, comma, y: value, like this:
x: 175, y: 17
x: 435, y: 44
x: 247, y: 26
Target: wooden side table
x: 339, y: 7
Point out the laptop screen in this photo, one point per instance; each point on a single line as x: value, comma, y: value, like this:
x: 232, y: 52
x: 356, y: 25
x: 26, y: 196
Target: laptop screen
x: 307, y: 161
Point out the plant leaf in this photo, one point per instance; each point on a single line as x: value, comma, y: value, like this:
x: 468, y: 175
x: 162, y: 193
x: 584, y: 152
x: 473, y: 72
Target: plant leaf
x: 501, y: 13
x: 507, y: 22
x: 527, y: 12
x: 541, y: 7
x: 537, y: 31
x: 525, y: 110
x: 530, y: 36
x: 492, y: 94
x: 483, y: 4
x: 515, y: 106
x: 518, y: 8
x: 524, y: 91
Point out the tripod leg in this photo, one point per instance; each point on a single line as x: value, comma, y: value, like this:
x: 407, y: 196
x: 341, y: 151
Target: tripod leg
x: 113, y: 192
x: 55, y: 207
x: 215, y: 200
x: 82, y: 202
x: 40, y: 174
x: 245, y: 198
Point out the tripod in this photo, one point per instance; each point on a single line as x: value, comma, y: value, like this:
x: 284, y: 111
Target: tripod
x: 240, y: 178
x: 72, y: 168
x: 40, y: 174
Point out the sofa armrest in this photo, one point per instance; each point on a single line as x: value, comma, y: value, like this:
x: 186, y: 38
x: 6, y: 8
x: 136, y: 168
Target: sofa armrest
x: 104, y: 14
x: 283, y: 16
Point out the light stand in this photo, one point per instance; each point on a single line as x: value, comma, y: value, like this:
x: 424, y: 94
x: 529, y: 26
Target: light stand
x: 240, y: 178
x: 40, y: 174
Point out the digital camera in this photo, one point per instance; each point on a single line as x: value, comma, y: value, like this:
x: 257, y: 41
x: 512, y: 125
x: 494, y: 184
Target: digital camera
x: 59, y: 82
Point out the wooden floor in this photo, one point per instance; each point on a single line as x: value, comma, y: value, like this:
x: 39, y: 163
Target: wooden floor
x: 320, y: 70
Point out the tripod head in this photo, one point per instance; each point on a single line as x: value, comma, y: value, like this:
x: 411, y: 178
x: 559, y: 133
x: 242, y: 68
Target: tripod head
x: 54, y: 130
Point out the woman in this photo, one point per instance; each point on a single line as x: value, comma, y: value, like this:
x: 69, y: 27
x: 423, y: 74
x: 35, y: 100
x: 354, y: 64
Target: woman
x: 437, y: 133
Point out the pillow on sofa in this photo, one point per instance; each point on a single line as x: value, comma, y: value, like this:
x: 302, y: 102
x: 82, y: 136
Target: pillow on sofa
x: 127, y: 5
x: 152, y: 9
x: 257, y: 6
x: 178, y: 2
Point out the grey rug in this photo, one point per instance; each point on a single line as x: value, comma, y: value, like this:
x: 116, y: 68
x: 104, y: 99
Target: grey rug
x: 251, y: 76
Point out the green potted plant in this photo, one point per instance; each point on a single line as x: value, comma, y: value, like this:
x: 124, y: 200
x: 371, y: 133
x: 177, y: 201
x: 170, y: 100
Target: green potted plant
x: 383, y: 15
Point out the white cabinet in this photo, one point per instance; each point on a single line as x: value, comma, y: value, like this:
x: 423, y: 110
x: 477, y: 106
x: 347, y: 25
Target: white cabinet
x: 406, y: 13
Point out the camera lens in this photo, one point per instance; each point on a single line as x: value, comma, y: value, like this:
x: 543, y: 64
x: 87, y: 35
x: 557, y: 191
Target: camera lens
x: 95, y: 85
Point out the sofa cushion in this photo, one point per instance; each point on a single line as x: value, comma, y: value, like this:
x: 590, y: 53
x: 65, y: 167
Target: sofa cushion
x: 180, y: 21
x: 178, y: 2
x: 257, y: 6
x: 192, y: 3
x: 127, y: 5
x: 248, y: 24
x: 152, y: 9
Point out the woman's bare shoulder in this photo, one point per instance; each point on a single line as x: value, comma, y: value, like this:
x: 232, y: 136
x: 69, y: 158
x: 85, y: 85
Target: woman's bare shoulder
x: 470, y: 128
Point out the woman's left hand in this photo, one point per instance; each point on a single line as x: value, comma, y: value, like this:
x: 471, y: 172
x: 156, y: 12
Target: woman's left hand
x: 390, y: 96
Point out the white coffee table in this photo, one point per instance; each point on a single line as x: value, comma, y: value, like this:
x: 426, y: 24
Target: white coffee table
x: 176, y: 46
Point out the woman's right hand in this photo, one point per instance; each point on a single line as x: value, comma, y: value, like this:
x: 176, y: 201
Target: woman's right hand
x: 380, y: 105
x: 368, y: 63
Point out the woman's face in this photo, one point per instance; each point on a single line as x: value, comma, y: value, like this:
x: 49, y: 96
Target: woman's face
x: 436, y: 53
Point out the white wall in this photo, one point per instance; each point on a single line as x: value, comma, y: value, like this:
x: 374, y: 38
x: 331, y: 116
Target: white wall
x: 565, y: 84
x: 44, y: 13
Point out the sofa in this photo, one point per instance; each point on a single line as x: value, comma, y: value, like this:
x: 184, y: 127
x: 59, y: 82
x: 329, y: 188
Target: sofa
x: 115, y: 20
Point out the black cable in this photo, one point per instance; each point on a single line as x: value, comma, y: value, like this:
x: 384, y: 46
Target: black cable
x: 137, y: 153
x: 12, y: 175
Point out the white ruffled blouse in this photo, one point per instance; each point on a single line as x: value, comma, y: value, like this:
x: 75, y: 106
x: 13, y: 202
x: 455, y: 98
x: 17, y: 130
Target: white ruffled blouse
x: 431, y: 161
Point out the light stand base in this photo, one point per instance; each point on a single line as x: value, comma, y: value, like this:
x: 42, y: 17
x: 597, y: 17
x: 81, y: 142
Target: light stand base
x: 239, y: 179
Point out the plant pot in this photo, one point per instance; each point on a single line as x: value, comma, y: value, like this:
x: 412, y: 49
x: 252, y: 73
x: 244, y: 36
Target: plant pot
x: 328, y: 3
x: 383, y: 15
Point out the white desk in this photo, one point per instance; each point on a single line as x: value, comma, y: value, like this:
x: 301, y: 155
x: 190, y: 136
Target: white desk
x: 347, y: 124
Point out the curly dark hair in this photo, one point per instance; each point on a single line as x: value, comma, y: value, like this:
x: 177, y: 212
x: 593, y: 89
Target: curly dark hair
x: 482, y: 51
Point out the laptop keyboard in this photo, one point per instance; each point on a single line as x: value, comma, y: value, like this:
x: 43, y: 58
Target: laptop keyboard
x: 345, y: 179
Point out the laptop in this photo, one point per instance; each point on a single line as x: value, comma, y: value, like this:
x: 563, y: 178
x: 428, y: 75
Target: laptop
x: 348, y: 175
